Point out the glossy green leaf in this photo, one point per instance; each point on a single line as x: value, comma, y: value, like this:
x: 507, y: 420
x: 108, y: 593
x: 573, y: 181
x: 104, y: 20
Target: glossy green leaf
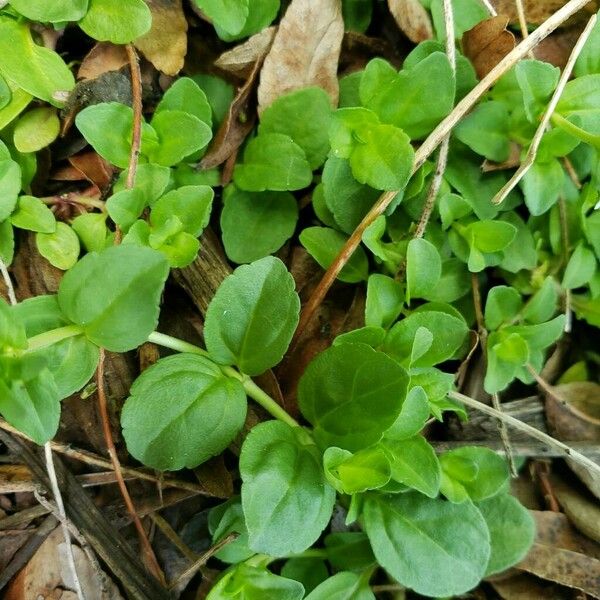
x: 114, y: 295
x: 229, y: 15
x: 60, y: 248
x: 324, y: 244
x: 273, y: 161
x: 410, y: 532
x: 351, y: 394
x: 287, y: 517
x: 542, y: 305
x: 37, y: 70
x: 58, y: 11
x: 255, y: 225
x: 152, y: 180
x: 502, y: 305
x: 116, y: 21
x: 423, y: 268
x: 125, y: 207
x: 252, y: 317
x: 506, y: 353
x: 182, y: 411
x: 32, y: 214
x: 185, y: 95
x: 91, y: 230
x: 512, y: 531
x: 36, y: 129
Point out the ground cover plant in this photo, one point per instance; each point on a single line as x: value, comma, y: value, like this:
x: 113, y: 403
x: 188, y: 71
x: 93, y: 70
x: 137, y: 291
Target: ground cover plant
x: 385, y: 217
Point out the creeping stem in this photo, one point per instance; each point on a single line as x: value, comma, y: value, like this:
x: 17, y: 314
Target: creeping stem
x: 43, y: 340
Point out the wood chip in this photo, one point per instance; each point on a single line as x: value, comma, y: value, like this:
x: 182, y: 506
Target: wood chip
x: 487, y: 44
x: 412, y: 19
x: 305, y: 51
x: 165, y: 45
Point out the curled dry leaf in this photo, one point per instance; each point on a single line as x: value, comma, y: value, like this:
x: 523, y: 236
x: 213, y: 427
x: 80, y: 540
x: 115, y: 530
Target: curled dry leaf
x: 102, y: 58
x: 487, y: 44
x: 165, y: 45
x: 573, y: 413
x: 241, y: 59
x: 93, y: 168
x: 412, y: 19
x: 305, y: 51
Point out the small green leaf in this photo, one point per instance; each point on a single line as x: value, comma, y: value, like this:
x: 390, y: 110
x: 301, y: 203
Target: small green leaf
x: 324, y: 244
x: 343, y: 586
x: 114, y: 295
x: 152, y: 180
x: 414, y: 464
x: 58, y: 11
x: 185, y: 95
x: 351, y: 394
x: 227, y: 518
x: 12, y: 329
x: 116, y: 21
x: 304, y: 115
x: 191, y: 204
x: 229, y: 15
x: 542, y: 185
x: 349, y: 473
x: 357, y: 14
x: 385, y: 298
x: 181, y: 412
x: 512, y: 531
x: 36, y: 129
x: 310, y: 572
x: 60, y: 248
x: 125, y: 207
x: 32, y: 214
x: 423, y: 268
x: 349, y: 551
x: 255, y: 225
x: 91, y: 230
x: 410, y: 532
x: 537, y: 81
x: 490, y: 236
x: 7, y: 242
x: 273, y: 161
x: 506, y: 353
x: 10, y: 186
x: 588, y: 62
x: 542, y: 305
x: 252, y: 317
x: 581, y: 267
x: 502, y: 305
x: 37, y: 70
x: 274, y: 451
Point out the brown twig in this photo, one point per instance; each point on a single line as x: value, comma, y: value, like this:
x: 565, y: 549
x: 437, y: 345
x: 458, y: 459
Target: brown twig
x: 172, y: 536
x: 428, y: 147
x: 149, y: 556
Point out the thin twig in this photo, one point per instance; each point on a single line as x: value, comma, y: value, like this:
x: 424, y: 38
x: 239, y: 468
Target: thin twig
x: 8, y: 282
x: 539, y: 134
x: 62, y: 516
x: 523, y: 23
x: 504, y: 437
x: 428, y: 147
x: 489, y: 7
x: 528, y: 429
x: 442, y: 160
x: 202, y: 560
x: 151, y: 561
x: 564, y: 232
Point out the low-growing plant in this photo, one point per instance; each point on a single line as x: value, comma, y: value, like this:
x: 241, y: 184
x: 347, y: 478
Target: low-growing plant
x: 437, y: 523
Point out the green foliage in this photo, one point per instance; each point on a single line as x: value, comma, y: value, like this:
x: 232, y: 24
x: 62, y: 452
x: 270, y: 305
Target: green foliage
x: 116, y: 21
x: 343, y: 586
x: 252, y: 317
x: 36, y: 129
x: 60, y: 247
x: 274, y: 450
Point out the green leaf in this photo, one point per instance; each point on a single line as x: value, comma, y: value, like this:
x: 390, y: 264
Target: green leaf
x: 521, y: 253
x: 349, y: 551
x: 276, y: 452
x: 357, y: 14
x: 324, y: 244
x: 38, y: 70
x: 415, y: 464
x: 581, y: 98
x: 191, y: 204
x: 467, y: 13
x: 303, y: 115
x: 502, y: 305
x: 252, y: 317
x: 542, y: 185
x: 114, y: 295
x: 179, y: 135
x: 71, y: 361
x: 351, y: 394
x: 415, y: 99
x: 29, y: 397
x: 229, y: 15
x: 310, y: 572
x: 588, y: 62
x: 490, y: 236
x: 272, y: 161
x: 423, y: 268
x: 255, y: 225
x: 412, y: 418
x: 36, y: 129
x: 385, y: 298
x: 227, y: 518
x: 506, y: 353
x: 512, y: 531
x: 32, y: 214
x: 7, y: 242
x: 486, y: 131
x: 10, y: 186
x: 181, y: 412
x: 370, y: 335
x: 12, y: 330
x: 152, y: 180
x: 581, y: 267
x: 349, y: 473
x: 5, y: 96
x: 116, y: 21
x: 91, y: 230
x: 125, y: 207
x: 58, y: 11
x: 60, y: 248
x: 542, y: 305
x: 185, y: 95
x: 537, y: 81
x: 261, y: 14
x: 246, y: 582
x: 343, y: 586
x: 449, y: 333
x: 409, y: 533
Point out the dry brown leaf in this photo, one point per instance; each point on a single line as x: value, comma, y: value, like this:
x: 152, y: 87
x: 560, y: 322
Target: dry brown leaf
x: 487, y: 44
x: 241, y: 60
x: 102, y: 58
x: 527, y: 587
x: 412, y: 19
x: 165, y: 45
x: 93, y: 168
x: 555, y: 529
x: 305, y: 51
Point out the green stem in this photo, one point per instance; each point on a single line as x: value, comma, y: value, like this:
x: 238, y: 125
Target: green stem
x: 53, y: 336
x: 566, y: 125
x: 251, y: 389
